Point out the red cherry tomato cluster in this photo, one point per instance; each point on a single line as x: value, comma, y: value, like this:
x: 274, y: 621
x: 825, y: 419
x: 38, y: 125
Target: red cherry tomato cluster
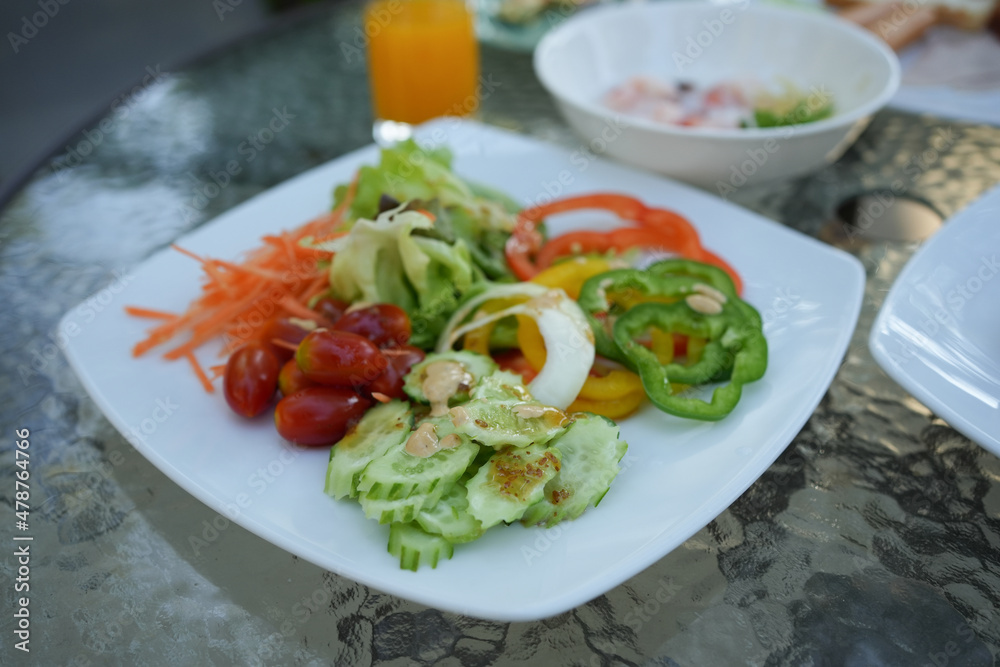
x: 327, y: 377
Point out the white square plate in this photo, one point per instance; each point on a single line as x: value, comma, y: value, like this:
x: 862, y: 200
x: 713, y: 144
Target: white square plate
x: 677, y: 476
x: 938, y: 332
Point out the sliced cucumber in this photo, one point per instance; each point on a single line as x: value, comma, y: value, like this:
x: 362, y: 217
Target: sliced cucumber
x: 590, y: 451
x: 501, y: 386
x: 392, y: 511
x: 512, y: 481
x: 514, y: 422
x: 398, y: 474
x: 383, y: 427
x: 450, y: 517
x: 477, y: 365
x: 414, y: 547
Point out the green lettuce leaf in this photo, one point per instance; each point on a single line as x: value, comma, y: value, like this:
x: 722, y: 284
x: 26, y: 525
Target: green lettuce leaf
x: 386, y: 260
x: 481, y: 217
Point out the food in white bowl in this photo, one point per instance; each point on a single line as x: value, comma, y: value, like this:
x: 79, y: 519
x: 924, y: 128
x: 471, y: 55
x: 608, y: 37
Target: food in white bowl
x: 704, y: 44
x: 727, y: 104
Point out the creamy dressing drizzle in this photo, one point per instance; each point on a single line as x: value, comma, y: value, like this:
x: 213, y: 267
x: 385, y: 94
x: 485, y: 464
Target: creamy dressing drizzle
x: 442, y: 380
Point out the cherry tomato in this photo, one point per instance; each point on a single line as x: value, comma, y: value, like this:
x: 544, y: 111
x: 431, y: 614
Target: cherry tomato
x: 251, y: 378
x: 291, y: 379
x: 384, y: 324
x: 340, y: 358
x: 330, y: 308
x: 319, y: 415
x: 401, y: 359
x: 281, y: 328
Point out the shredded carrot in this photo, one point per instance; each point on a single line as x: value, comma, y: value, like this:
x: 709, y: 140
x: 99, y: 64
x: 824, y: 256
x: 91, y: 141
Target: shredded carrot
x: 237, y: 298
x: 200, y: 372
x: 149, y: 313
x: 277, y: 342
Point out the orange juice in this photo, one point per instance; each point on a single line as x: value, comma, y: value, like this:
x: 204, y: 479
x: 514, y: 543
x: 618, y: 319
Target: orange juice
x: 423, y: 59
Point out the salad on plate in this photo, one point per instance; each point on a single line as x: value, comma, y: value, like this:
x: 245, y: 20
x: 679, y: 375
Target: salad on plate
x: 466, y: 369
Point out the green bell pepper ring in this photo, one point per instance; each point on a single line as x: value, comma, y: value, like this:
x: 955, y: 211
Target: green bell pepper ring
x: 600, y: 309
x: 734, y: 342
x: 706, y: 273
x: 710, y: 275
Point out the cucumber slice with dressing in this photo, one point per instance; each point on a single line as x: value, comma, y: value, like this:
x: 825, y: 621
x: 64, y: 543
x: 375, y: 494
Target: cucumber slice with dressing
x: 590, y: 451
x: 383, y: 427
x: 500, y: 386
x: 512, y: 481
x: 476, y: 365
x: 450, y: 517
x: 415, y: 547
x: 398, y: 474
x: 516, y: 423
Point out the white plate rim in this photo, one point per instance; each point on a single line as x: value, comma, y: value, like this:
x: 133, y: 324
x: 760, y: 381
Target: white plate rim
x: 881, y: 340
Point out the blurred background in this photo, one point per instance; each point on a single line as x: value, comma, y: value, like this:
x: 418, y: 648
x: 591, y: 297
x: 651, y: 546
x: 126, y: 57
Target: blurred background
x: 87, y: 53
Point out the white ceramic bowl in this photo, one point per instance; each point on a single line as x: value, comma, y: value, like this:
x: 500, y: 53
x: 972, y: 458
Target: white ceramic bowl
x: 600, y: 48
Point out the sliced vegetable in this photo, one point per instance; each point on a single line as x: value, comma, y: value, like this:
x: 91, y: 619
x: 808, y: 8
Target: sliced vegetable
x: 658, y: 228
x: 735, y: 347
x: 415, y: 547
x: 450, y: 517
x: 386, y: 261
x: 589, y: 454
x: 383, y: 427
x: 512, y: 481
x: 563, y: 327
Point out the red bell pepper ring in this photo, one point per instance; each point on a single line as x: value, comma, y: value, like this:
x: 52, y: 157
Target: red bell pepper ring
x: 660, y: 228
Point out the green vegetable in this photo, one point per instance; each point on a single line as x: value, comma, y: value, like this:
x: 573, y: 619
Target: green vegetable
x: 383, y: 261
x: 398, y: 475
x: 415, y: 547
x: 450, y: 517
x: 589, y: 463
x: 476, y: 365
x: 736, y: 346
x: 734, y: 339
x: 382, y: 428
x: 598, y: 303
x: 499, y: 468
x: 480, y: 217
x: 791, y: 107
x: 512, y: 481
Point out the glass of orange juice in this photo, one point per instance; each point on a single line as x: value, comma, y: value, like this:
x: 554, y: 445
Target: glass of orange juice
x: 423, y: 62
